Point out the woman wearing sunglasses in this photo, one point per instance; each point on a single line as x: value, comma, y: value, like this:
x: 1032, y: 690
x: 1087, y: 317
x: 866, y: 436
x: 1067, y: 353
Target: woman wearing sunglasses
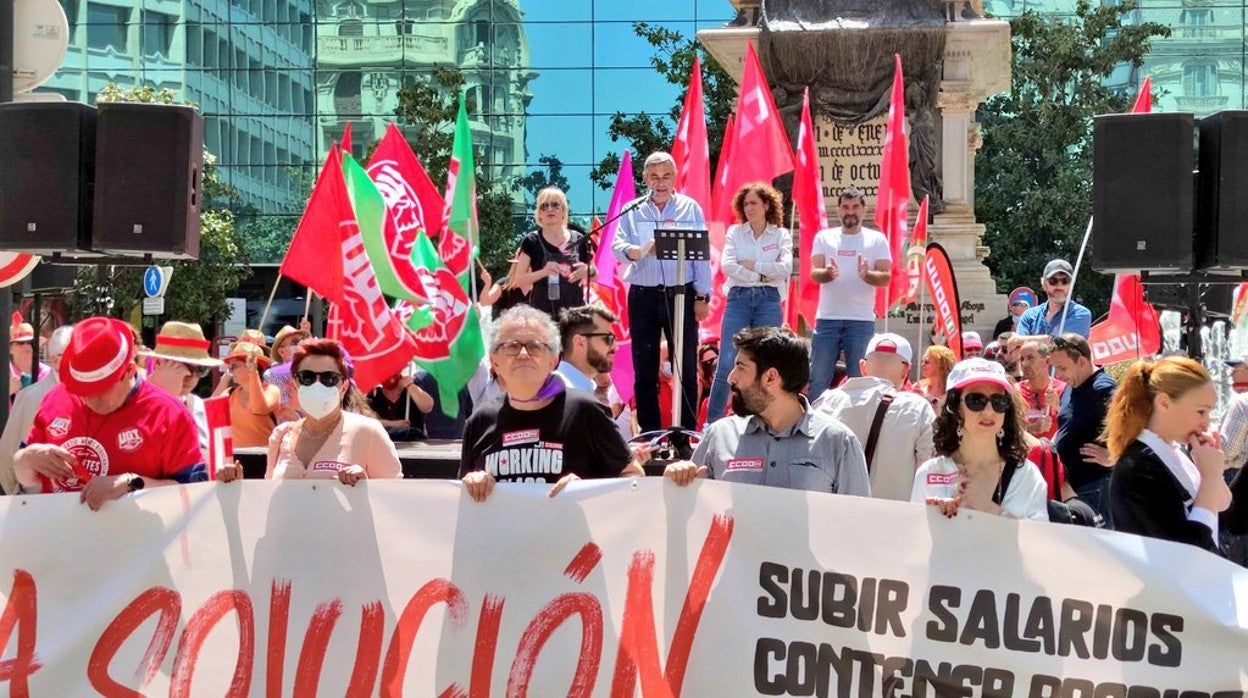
x: 252, y: 403
x: 1167, y: 479
x: 982, y: 455
x: 553, y: 260
x: 329, y: 442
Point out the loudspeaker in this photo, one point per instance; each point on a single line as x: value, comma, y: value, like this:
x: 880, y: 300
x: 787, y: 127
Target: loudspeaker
x: 1217, y: 298
x: 1142, y: 191
x: 149, y: 162
x: 1222, y: 218
x: 47, y: 156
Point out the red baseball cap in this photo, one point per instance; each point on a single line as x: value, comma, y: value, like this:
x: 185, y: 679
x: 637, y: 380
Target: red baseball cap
x: 99, y: 351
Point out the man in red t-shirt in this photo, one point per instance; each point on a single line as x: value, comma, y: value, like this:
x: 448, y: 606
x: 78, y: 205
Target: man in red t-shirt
x: 1041, y: 392
x: 103, y: 431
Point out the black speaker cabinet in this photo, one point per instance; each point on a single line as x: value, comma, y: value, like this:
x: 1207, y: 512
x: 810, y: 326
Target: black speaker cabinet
x: 1222, y: 217
x: 149, y: 162
x: 1142, y: 191
x: 47, y: 156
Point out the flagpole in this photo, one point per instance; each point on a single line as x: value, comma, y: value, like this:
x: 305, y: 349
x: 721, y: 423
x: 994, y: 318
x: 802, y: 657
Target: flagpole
x: 307, y: 304
x: 265, y: 315
x: 918, y: 366
x: 800, y: 291
x: 1070, y: 296
x: 888, y: 290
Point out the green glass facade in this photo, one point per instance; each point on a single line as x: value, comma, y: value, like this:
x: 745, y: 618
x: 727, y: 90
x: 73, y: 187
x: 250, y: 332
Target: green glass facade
x: 278, y: 80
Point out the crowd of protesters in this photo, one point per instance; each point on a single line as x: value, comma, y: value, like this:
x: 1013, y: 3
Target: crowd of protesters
x: 1025, y: 426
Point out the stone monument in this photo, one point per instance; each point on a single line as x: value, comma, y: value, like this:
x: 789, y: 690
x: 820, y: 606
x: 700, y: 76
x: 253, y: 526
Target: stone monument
x: 954, y: 59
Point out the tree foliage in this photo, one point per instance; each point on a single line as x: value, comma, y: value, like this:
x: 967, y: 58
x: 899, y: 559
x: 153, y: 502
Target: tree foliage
x: 197, y: 289
x: 427, y: 111
x: 1033, y: 178
x: 644, y: 133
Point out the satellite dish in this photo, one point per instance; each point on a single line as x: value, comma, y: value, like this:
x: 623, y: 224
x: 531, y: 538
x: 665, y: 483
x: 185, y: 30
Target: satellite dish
x: 41, y: 40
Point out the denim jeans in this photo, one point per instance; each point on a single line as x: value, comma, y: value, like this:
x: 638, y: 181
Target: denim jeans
x: 1096, y: 495
x: 748, y: 306
x: 832, y: 336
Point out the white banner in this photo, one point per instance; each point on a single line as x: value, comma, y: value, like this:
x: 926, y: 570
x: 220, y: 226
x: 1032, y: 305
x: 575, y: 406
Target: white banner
x: 613, y: 588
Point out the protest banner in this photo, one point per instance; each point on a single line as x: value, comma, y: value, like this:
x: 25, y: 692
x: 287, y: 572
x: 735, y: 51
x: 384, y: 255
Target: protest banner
x: 612, y: 588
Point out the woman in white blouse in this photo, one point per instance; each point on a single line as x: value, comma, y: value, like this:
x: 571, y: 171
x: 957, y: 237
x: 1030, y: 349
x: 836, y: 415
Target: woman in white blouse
x: 982, y: 462
x: 757, y: 261
x: 1167, y: 479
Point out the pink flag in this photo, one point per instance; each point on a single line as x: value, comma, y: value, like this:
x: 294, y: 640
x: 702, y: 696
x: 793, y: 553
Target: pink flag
x: 812, y: 217
x: 690, y: 150
x: 894, y: 197
x: 625, y: 192
x: 1144, y: 100
x: 346, y: 138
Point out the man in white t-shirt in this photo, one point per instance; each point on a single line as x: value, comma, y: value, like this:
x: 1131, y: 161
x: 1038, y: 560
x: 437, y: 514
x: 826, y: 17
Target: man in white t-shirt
x: 850, y: 262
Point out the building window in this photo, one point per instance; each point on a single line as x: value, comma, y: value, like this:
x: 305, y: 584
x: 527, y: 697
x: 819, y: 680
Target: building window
x: 106, y: 27
x: 158, y: 33
x: 347, y: 94
x: 351, y: 27
x: 194, y: 43
x: 481, y: 33
x: 1200, y: 79
x: 405, y: 26
x: 71, y: 14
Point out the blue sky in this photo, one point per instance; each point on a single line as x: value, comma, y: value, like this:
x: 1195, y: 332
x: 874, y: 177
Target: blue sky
x: 591, y: 65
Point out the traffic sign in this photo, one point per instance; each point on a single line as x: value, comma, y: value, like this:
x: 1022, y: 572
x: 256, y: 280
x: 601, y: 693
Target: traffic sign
x: 154, y: 306
x: 156, y: 280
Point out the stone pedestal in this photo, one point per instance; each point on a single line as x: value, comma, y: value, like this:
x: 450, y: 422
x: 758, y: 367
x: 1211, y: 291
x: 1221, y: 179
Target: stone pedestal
x: 976, y: 66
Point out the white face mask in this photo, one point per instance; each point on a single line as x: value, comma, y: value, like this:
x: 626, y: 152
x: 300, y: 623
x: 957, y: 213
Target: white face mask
x: 318, y: 401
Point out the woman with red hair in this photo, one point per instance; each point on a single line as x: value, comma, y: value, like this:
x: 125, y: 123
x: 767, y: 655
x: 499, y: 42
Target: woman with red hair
x: 329, y: 442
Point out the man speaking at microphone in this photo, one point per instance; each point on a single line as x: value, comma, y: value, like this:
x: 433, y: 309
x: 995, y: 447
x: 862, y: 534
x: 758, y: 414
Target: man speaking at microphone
x: 652, y: 292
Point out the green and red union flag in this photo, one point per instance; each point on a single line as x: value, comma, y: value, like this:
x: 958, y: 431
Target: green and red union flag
x: 446, y: 331
x: 459, y: 241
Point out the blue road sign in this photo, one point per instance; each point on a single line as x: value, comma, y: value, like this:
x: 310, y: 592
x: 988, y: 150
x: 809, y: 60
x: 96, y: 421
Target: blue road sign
x: 153, y: 281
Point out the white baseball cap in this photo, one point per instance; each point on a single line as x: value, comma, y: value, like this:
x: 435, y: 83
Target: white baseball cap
x: 977, y: 370
x: 889, y: 343
x: 971, y: 340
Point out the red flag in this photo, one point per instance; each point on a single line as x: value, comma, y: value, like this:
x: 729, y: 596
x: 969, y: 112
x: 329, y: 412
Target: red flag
x: 309, y: 259
x: 690, y: 150
x: 220, y: 437
x: 346, y: 138
x: 716, y: 226
x: 327, y: 255
x: 943, y: 288
x: 915, y: 251
x: 894, y: 196
x: 759, y: 153
x: 1144, y: 100
x: 412, y: 200
x: 812, y: 217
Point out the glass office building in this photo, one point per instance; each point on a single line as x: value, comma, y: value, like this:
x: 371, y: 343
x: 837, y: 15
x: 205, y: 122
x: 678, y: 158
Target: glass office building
x: 278, y: 80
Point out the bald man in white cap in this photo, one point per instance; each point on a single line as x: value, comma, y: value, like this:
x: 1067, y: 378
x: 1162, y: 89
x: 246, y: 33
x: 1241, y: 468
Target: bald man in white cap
x: 893, y: 425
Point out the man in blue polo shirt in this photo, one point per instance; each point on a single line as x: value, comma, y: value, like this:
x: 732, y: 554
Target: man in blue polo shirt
x: 1052, y: 317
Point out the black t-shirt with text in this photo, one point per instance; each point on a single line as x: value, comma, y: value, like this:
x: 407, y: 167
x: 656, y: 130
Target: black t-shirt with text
x: 573, y: 434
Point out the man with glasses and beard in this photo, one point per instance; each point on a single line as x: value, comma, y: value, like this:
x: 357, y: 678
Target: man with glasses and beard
x: 539, y: 431
x: 588, y: 346
x: 774, y: 438
x: 1051, y: 317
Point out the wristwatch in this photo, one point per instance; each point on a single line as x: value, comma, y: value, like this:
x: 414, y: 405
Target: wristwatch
x: 136, y: 483
x: 701, y: 297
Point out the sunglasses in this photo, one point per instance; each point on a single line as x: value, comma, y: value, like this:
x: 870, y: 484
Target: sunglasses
x: 198, y: 371
x: 550, y: 206
x: 329, y: 379
x: 1059, y: 280
x: 976, y: 402
x: 608, y: 337
x: 531, y: 348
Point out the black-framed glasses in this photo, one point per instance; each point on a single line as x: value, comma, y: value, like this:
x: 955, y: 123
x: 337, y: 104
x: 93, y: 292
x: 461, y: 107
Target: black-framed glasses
x: 608, y: 337
x: 198, y: 371
x: 531, y: 348
x: 550, y: 206
x: 1059, y: 280
x: 976, y: 402
x: 329, y: 379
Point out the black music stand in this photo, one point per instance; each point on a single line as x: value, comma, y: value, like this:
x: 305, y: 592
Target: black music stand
x: 680, y: 245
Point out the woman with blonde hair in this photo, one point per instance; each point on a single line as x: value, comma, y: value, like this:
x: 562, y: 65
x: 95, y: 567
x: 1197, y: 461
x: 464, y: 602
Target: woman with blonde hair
x: 938, y: 361
x: 757, y: 261
x: 554, y: 260
x: 1167, y: 480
